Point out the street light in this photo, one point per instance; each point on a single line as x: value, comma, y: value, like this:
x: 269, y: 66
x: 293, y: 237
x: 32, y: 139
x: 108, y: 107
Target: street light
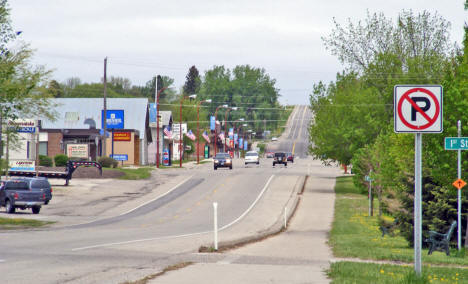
x: 225, y: 124
x: 216, y: 134
x: 180, y: 127
x: 198, y: 128
x: 157, y: 122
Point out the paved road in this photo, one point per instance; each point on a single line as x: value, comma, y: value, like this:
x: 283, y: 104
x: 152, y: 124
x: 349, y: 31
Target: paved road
x: 166, y: 224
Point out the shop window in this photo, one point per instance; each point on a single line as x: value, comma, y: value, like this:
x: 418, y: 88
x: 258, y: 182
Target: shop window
x: 43, y: 148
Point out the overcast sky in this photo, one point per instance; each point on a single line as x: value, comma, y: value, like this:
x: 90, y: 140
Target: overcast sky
x: 143, y: 38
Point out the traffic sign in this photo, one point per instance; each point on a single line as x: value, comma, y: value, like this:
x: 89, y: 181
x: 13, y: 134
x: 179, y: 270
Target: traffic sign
x: 456, y: 143
x: 418, y: 108
x: 459, y: 183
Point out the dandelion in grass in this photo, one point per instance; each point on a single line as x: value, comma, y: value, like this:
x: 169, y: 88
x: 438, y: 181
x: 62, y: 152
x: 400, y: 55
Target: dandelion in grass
x: 382, y: 271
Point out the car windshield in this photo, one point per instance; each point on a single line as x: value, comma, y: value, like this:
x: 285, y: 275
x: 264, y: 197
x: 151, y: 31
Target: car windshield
x: 279, y: 154
x: 17, y: 185
x: 40, y: 184
x: 222, y: 156
x: 251, y: 154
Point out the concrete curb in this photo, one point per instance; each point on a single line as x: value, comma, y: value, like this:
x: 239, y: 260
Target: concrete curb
x: 274, y: 229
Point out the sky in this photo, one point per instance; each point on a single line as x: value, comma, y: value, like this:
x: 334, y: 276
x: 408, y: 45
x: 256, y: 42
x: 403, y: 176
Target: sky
x: 144, y: 38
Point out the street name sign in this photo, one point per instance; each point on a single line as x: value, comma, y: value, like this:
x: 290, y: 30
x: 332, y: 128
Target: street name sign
x: 456, y: 143
x: 418, y: 108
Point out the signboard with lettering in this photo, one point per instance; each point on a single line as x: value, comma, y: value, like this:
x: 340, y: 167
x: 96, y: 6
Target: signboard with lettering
x: 22, y: 165
x: 122, y: 136
x: 119, y: 157
x: 115, y: 119
x: 22, y: 125
x: 77, y: 150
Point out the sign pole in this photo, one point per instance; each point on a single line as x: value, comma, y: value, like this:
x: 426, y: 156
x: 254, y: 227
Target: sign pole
x: 417, y: 203
x: 371, y: 211
x: 459, y: 190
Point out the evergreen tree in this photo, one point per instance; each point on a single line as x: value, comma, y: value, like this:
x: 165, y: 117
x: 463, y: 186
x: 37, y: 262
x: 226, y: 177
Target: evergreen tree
x: 192, y: 82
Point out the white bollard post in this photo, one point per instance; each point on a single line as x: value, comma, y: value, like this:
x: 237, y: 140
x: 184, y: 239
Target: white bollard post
x: 215, y: 209
x: 285, y: 217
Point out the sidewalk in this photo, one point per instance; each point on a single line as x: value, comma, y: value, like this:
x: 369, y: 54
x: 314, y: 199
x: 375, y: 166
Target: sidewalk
x: 299, y: 255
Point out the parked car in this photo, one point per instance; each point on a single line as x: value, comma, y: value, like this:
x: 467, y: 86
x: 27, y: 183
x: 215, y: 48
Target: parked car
x: 222, y: 160
x: 269, y: 154
x: 274, y: 139
x: 39, y: 184
x: 16, y: 194
x: 290, y: 157
x: 251, y: 157
x: 280, y: 158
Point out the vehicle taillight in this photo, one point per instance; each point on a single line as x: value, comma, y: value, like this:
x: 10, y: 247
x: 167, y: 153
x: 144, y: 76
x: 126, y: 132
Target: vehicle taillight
x: 43, y: 196
x: 51, y: 190
x: 16, y: 196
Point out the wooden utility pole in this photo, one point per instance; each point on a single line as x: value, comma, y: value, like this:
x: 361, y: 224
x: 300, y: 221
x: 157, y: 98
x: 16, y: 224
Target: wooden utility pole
x: 104, y: 119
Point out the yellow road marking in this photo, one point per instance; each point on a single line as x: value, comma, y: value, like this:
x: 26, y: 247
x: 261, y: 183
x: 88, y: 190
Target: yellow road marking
x: 176, y: 216
x: 189, y: 209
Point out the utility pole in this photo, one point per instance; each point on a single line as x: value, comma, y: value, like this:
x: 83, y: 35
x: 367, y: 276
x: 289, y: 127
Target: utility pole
x: 104, y: 119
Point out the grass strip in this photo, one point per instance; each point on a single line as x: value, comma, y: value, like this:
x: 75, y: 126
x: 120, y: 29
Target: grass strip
x: 357, y: 273
x: 133, y: 174
x: 165, y: 270
x: 355, y: 234
x: 19, y: 223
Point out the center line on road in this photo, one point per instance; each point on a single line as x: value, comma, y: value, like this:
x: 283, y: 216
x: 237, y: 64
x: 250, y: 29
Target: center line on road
x: 184, y: 235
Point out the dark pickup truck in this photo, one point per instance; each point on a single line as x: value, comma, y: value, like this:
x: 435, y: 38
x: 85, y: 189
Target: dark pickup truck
x: 16, y: 194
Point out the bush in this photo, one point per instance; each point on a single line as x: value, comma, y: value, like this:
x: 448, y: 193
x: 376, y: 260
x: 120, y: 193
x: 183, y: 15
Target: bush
x: 45, y: 161
x: 108, y: 162
x: 61, y: 160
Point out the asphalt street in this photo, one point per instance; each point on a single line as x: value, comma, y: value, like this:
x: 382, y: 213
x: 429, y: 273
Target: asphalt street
x: 166, y: 223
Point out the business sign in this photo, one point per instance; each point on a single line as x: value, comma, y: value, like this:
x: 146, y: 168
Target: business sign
x: 236, y: 136
x: 456, y: 143
x: 22, y: 125
x: 176, y: 130
x: 122, y: 136
x: 115, y: 119
x: 245, y: 145
x: 418, y: 108
x: 119, y: 157
x: 231, y: 133
x: 241, y: 144
x: 212, y: 123
x: 22, y: 165
x: 77, y: 150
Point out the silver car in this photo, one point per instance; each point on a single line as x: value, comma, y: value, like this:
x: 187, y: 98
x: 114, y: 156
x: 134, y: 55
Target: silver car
x: 251, y: 157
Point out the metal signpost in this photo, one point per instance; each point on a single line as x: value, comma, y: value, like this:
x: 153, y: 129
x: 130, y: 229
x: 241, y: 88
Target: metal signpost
x: 458, y: 143
x: 418, y: 109
x: 369, y: 179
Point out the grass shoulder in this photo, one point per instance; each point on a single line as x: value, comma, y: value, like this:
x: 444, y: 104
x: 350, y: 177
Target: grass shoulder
x: 356, y: 235
x: 20, y: 223
x: 133, y: 174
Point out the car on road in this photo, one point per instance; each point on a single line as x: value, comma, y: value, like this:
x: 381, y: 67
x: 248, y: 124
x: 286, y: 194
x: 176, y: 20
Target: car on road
x: 222, y: 160
x: 16, y: 194
x: 280, y: 158
x: 290, y: 157
x: 270, y: 154
x: 274, y: 139
x: 39, y: 184
x: 251, y: 157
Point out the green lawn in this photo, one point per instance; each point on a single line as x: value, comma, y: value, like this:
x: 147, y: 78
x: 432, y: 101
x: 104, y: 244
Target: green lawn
x: 19, y: 223
x: 355, y: 234
x: 357, y: 273
x: 133, y: 174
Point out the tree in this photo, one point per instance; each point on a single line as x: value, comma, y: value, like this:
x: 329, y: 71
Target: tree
x: 55, y: 89
x: 192, y: 81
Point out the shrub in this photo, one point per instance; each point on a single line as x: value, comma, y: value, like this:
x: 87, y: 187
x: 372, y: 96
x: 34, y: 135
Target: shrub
x: 61, y: 160
x: 108, y: 162
x: 45, y: 161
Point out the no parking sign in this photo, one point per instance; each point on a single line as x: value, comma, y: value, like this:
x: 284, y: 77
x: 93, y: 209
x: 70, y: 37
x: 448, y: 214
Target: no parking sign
x: 418, y: 108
